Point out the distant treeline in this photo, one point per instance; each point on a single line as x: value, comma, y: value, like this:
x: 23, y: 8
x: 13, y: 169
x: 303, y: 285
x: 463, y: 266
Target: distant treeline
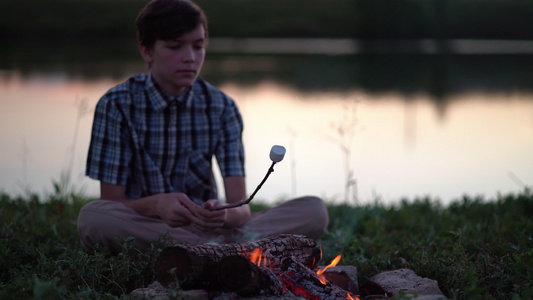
x: 360, y: 19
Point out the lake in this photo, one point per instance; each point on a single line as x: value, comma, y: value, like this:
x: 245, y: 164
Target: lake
x: 357, y: 128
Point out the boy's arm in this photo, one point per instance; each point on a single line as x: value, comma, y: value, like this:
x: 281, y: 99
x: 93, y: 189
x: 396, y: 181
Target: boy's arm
x: 176, y: 209
x: 235, y: 187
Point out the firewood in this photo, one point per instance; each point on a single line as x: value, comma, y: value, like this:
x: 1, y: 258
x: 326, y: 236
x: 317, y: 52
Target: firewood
x: 194, y: 266
x: 239, y: 275
x: 302, y: 281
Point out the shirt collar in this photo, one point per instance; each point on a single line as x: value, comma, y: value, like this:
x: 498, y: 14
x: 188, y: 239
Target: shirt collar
x: 160, y: 99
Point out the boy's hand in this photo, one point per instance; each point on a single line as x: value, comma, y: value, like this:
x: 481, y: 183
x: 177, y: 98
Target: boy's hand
x: 176, y: 209
x: 209, y: 220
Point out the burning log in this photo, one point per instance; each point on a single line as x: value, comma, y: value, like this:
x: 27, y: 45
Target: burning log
x: 240, y: 275
x: 302, y: 281
x: 197, y: 266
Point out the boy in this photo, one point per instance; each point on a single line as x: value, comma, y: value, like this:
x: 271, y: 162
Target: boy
x: 152, y: 144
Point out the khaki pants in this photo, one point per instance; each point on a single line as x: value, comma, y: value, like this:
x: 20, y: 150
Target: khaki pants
x: 100, y: 221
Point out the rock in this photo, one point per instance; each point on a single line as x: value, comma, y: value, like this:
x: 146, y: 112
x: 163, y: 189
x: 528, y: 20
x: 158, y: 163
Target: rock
x: 155, y: 291
x: 381, y: 286
x: 391, y: 283
x: 344, y: 277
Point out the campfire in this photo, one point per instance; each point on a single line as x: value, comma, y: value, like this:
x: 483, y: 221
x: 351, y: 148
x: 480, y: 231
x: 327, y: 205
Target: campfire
x: 271, y: 266
x: 268, y: 267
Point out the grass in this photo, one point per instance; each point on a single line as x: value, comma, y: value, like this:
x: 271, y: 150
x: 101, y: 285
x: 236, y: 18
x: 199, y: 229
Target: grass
x: 474, y: 248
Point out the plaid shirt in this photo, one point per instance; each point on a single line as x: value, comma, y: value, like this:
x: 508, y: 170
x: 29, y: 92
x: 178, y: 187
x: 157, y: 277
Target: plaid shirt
x: 151, y: 142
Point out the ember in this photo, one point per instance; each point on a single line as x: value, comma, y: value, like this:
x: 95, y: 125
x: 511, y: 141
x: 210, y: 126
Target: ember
x: 294, y: 288
x: 351, y: 298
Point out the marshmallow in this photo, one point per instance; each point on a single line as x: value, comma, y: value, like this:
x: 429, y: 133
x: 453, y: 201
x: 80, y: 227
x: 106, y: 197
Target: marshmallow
x: 277, y: 153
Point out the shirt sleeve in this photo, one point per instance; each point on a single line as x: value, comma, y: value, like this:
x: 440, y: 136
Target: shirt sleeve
x: 230, y: 153
x: 109, y: 153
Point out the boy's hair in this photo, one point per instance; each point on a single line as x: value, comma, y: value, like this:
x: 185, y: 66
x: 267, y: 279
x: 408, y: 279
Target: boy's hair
x: 168, y: 19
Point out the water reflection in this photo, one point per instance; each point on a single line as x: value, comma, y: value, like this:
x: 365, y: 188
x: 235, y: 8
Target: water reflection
x: 402, y: 145
x: 400, y: 148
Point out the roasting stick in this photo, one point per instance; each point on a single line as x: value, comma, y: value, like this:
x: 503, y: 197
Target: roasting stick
x: 276, y: 155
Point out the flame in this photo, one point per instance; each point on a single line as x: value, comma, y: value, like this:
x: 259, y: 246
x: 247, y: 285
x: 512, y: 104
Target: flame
x: 258, y: 259
x: 256, y: 256
x: 333, y: 263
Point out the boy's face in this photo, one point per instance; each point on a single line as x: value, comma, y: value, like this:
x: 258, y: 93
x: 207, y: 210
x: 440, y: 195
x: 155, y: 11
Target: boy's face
x: 175, y: 64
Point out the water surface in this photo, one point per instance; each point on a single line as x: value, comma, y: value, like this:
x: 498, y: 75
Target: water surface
x: 393, y: 131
